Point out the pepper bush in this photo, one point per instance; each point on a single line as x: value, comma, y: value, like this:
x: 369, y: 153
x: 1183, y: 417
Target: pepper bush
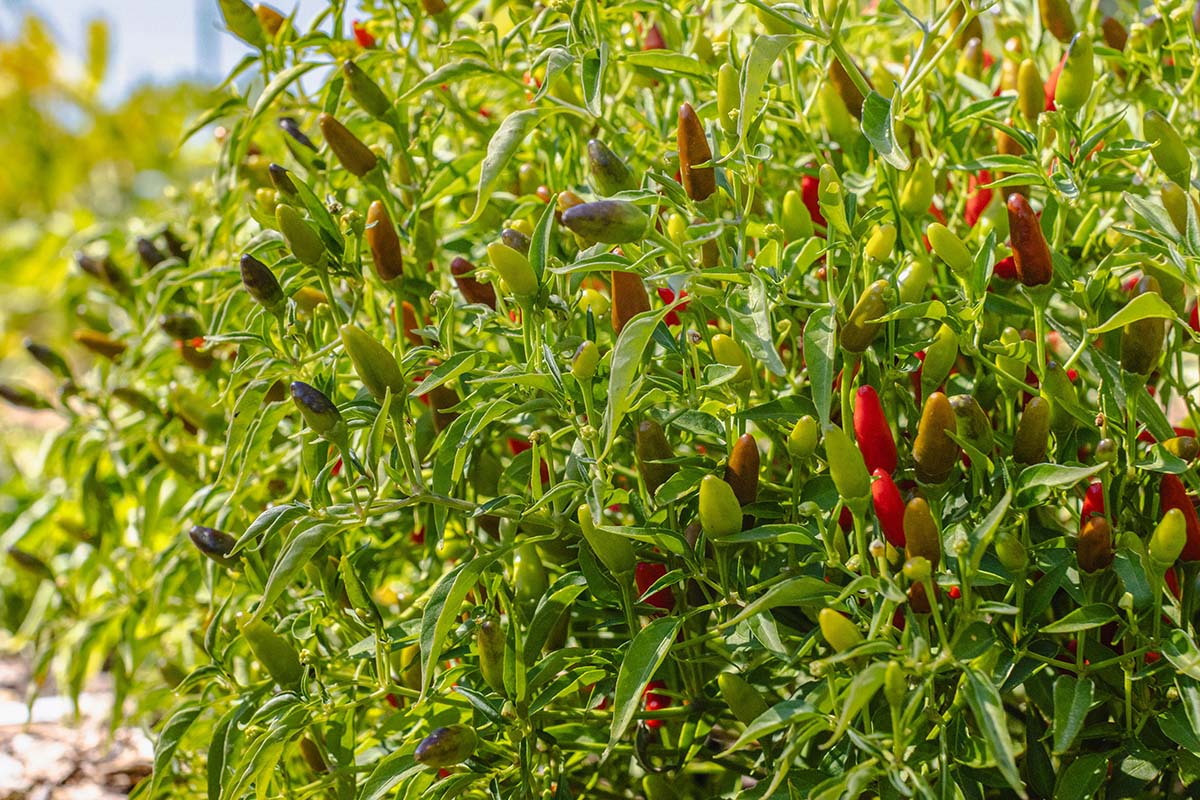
x: 626, y: 399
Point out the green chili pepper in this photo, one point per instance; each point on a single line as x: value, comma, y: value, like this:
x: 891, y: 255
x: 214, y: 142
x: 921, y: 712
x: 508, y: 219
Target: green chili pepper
x: 729, y: 97
x: 1169, y: 538
x: 375, y: 365
x: 302, y: 239
x: 831, y: 199
x: 840, y: 633
x: 355, y: 156
x: 312, y: 756
x: 583, y: 363
x: 447, y: 746
x: 1142, y: 340
x: 743, y: 699
x: 802, y: 441
x: 99, y: 343
x: 606, y: 221
x: 720, y: 512
x: 274, y: 652
x: 1033, y: 433
x: 973, y: 424
x: 652, y: 447
x: 832, y: 110
x: 1167, y: 147
x: 1077, y: 75
x: 935, y: 453
x: 794, y: 217
x: 610, y: 174
x: 918, y: 190
x: 514, y: 269
x: 847, y: 89
x: 365, y: 92
x: 614, y: 551
x: 940, y: 357
x: 881, y: 242
x: 914, y: 280
x: 356, y: 592
x: 1011, y: 553
x: 895, y: 685
x: 860, y: 329
x: 529, y: 574
x: 726, y: 351
x: 1175, y: 200
x: 846, y: 466
x: 215, y: 544
x: 489, y: 641
x: 950, y: 249
x: 1031, y: 93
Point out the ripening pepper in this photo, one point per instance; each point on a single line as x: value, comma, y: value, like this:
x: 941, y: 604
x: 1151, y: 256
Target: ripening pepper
x: 614, y: 551
x: 610, y: 173
x: 1031, y: 96
x: 728, y: 352
x: 1093, y: 502
x: 48, y: 358
x: 289, y: 126
x: 1169, y: 538
x: 272, y: 650
x: 949, y: 248
x: 514, y: 269
x: 918, y: 190
x: 743, y: 699
x: 1030, y: 251
x: 1033, y: 433
x: 304, y: 242
x: 489, y: 641
x: 262, y: 285
x: 846, y: 466
x: 872, y: 432
x: 281, y: 179
x: 269, y: 18
x: 741, y: 473
x: 1172, y: 494
x: 215, y: 544
x: 847, y: 89
x: 802, y: 441
x: 384, y: 241
x: 934, y: 453
x: 698, y: 181
x: 472, y: 290
x: 1142, y: 340
x: 940, y: 357
x: 652, y: 447
x: 243, y: 23
x: 1095, y: 547
x: 606, y: 221
x: 794, y: 218
x: 99, y: 343
x: 973, y: 424
x: 720, y: 512
x: 365, y: 92
x: 860, y: 327
x: 921, y: 536
x: 447, y: 746
x: 180, y: 326
x: 729, y: 98
x: 104, y: 270
x: 840, y: 633
x: 355, y: 156
x: 1185, y: 447
x: 1167, y: 147
x: 889, y: 508
x: 1077, y: 75
x: 970, y: 58
x: 318, y: 411
x: 583, y: 363
x: 629, y: 298
x: 1057, y: 19
x: 1175, y: 200
x: 375, y: 365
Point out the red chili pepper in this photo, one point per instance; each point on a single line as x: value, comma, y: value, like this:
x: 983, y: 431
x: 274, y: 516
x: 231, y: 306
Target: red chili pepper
x: 1173, y: 494
x: 872, y: 432
x: 810, y: 193
x: 654, y: 39
x: 363, y: 36
x: 668, y: 296
x: 337, y: 468
x: 954, y: 593
x: 1194, y: 317
x: 978, y: 199
x: 656, y: 701
x: 1093, y: 502
x: 645, y: 574
x: 889, y: 508
x: 1051, y: 85
x: 915, y: 377
x: 418, y: 536
x: 846, y: 519
x: 1171, y: 578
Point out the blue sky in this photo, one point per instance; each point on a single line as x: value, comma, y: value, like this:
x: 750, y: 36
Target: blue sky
x: 154, y: 40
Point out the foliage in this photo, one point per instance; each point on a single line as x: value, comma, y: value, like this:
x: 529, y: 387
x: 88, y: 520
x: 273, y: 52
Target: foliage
x: 504, y: 563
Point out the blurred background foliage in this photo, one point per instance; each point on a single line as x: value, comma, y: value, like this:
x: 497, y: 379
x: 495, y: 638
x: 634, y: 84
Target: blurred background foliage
x: 74, y: 165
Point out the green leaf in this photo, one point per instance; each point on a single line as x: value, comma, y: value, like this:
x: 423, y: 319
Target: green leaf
x: 755, y: 71
x: 390, y: 771
x: 278, y: 84
x: 1083, y: 778
x: 820, y: 346
x: 1181, y: 651
x: 168, y: 740
x: 628, y: 360
x: 666, y: 61
x: 1072, y: 701
x: 1145, y: 306
x: 1082, y: 619
x: 539, y: 242
x: 643, y: 658
x: 1033, y: 483
x: 879, y: 128
x: 862, y: 688
x: 299, y: 551
x: 504, y: 143
x: 447, y: 74
x: 988, y: 709
x: 549, y: 610
x: 979, y: 538
x: 789, y: 712
x: 751, y: 324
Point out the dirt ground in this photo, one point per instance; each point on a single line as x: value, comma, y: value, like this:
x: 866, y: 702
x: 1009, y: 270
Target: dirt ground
x: 58, y: 757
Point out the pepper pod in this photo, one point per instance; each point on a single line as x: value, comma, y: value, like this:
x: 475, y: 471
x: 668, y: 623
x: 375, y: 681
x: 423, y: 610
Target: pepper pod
x: 277, y: 655
x: 105, y: 270
x: 940, y: 357
x: 1095, y: 547
x: 21, y: 397
x: 365, y: 92
x: 699, y: 182
x: 973, y: 424
x: 1142, y: 340
x: 1011, y: 552
x: 802, y: 440
x: 606, y: 221
x: 728, y: 352
x: 918, y: 190
x: 262, y: 285
x: 614, y: 551
x: 860, y: 328
x: 950, y: 248
x: 610, y: 173
x: 216, y: 545
x: 302, y: 239
x: 1169, y: 538
x: 48, y: 358
x: 934, y: 453
x: 355, y: 156
x: 515, y: 270
x: 847, y: 89
x: 384, y: 241
x: 840, y: 633
x: 741, y: 473
x: 1077, y: 75
x: 921, y: 536
x: 629, y: 298
x: 743, y: 699
x: 516, y: 240
x: 889, y: 508
x: 652, y: 447
x: 99, y: 343
x: 585, y: 361
x: 375, y: 365
x: 472, y: 290
x: 720, y: 512
x: 846, y: 466
x: 1173, y: 495
x: 872, y: 432
x: 447, y: 746
x: 729, y: 98
x: 1057, y: 19
x: 489, y: 642
x: 1031, y: 253
x: 319, y: 412
x: 1031, y: 93
x: 1033, y: 433
x: 1167, y: 148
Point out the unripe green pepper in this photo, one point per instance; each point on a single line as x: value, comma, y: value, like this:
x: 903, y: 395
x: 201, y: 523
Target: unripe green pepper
x: 914, y: 280
x: 918, y: 190
x: 831, y: 198
x: 658, y: 787
x: 273, y: 651
x: 935, y: 453
x: 1077, y: 75
x: 606, y: 221
x: 895, y: 685
x: 1031, y: 94
x: 921, y: 536
x: 48, y: 358
x: 860, y: 328
x: 1095, y: 547
x: 529, y: 575
x: 846, y: 466
x: 1175, y: 200
x: 583, y: 363
x: 973, y: 424
x: 375, y: 365
x: 950, y: 249
x: 447, y: 746
x: 489, y: 641
x: 720, y: 512
x: 262, y: 285
x: 1169, y: 538
x: 1057, y: 388
x: 365, y: 91
x: 1011, y: 553
x: 355, y: 156
x: 318, y: 411
x: 514, y: 269
x: 243, y: 23
x: 1167, y: 147
x: 840, y: 633
x: 726, y: 351
x: 802, y: 441
x: 1033, y: 433
x: 614, y: 551
x: 652, y: 446
x: 610, y: 174
x: 851, y: 95
x: 384, y: 241
x: 304, y: 242
x: 729, y: 97
x: 1106, y: 451
x: 357, y: 594
x: 832, y: 111
x: 743, y: 699
x: 939, y: 360
x: 917, y: 569
x: 1142, y: 340
x: 215, y: 544
x: 1057, y: 19
x: 882, y: 241
x: 794, y: 217
x: 699, y: 182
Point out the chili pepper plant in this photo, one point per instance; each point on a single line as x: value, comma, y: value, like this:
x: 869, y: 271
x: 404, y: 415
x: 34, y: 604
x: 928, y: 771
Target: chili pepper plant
x: 665, y: 400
